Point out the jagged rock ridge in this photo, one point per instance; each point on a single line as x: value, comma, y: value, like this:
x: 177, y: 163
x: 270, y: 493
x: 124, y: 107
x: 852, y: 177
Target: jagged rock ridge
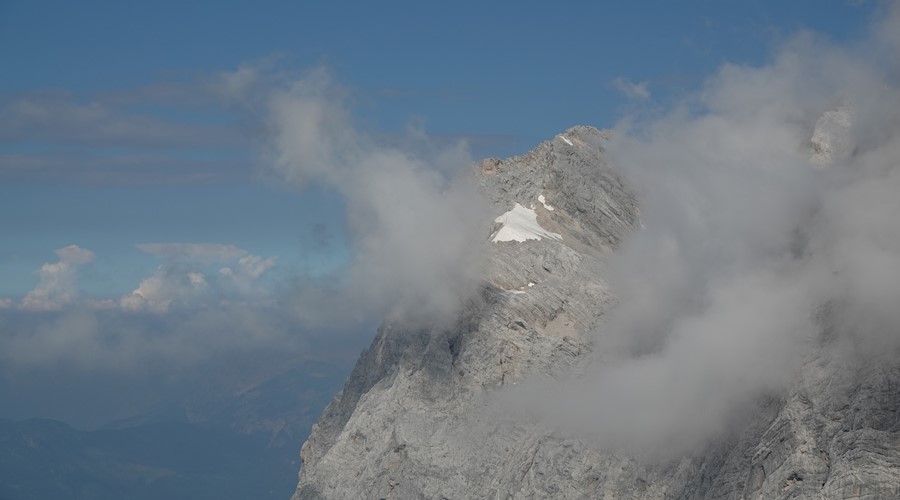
x: 404, y: 425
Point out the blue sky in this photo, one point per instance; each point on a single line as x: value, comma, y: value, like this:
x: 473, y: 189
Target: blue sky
x: 109, y: 139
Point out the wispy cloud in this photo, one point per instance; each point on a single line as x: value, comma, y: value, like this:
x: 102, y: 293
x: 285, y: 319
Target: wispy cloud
x: 193, y: 252
x: 117, y: 168
x: 113, y: 139
x: 632, y: 90
x: 202, y: 130
x: 53, y: 117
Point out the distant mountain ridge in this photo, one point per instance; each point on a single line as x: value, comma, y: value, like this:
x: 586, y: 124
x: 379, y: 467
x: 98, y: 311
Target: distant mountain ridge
x: 48, y: 459
x: 219, y: 444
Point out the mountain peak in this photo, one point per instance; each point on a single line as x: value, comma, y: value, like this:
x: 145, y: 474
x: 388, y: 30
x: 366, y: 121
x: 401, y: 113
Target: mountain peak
x: 569, y: 172
x: 557, y: 211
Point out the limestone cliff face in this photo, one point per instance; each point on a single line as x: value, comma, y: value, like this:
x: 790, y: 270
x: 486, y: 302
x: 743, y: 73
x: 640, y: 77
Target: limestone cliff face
x: 409, y: 422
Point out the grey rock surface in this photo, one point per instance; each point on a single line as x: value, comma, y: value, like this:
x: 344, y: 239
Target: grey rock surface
x: 410, y: 420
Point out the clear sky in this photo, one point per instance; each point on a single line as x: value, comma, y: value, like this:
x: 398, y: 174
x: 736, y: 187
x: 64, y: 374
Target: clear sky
x: 108, y: 140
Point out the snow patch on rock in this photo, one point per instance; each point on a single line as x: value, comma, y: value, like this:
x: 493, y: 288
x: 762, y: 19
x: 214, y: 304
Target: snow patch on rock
x: 520, y: 224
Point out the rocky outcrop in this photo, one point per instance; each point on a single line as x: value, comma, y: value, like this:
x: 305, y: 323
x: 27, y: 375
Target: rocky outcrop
x: 410, y: 421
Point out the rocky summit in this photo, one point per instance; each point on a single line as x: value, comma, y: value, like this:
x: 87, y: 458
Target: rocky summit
x: 410, y: 420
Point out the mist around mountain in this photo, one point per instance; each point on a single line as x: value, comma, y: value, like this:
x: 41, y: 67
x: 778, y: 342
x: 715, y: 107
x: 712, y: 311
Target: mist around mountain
x: 698, y: 303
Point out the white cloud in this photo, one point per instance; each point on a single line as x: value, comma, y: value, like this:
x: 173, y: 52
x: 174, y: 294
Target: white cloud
x: 180, y: 280
x: 416, y: 223
x: 57, y: 287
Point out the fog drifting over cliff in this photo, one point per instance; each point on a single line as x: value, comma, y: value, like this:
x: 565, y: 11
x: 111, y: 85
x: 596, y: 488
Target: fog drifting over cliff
x: 769, y: 209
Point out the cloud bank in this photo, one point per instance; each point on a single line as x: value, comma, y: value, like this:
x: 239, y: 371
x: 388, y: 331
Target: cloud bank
x: 770, y: 204
x: 181, y: 313
x: 182, y: 279
x: 57, y: 286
